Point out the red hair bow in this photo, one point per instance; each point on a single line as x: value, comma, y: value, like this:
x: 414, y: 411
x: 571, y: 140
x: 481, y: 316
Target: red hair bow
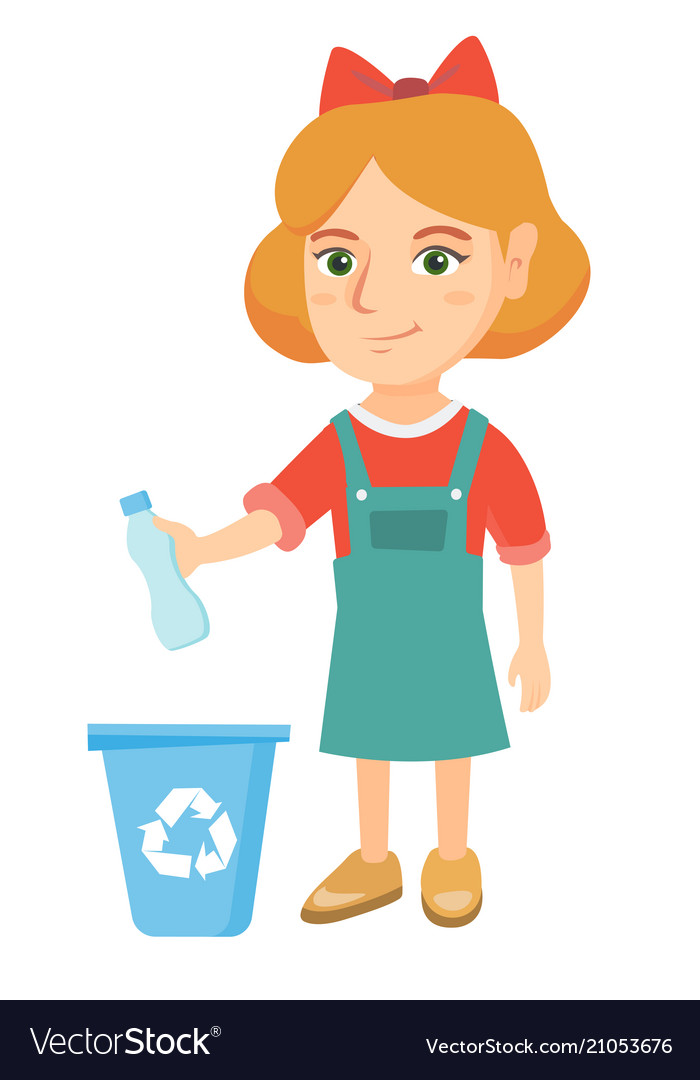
x: 350, y: 80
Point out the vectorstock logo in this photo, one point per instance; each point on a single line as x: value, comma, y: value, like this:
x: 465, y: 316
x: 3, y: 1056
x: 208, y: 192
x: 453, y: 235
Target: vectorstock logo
x: 133, y: 1041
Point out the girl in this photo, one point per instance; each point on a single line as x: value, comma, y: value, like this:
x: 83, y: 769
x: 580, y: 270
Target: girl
x: 416, y: 230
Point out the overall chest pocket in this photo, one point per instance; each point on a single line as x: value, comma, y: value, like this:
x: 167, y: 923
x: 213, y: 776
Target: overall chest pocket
x: 408, y: 530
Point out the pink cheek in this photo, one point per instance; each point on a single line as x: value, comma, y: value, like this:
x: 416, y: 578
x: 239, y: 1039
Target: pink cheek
x: 459, y: 298
x: 323, y: 299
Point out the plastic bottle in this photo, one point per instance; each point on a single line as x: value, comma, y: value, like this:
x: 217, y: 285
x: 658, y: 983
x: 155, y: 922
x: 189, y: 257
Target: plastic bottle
x: 177, y: 613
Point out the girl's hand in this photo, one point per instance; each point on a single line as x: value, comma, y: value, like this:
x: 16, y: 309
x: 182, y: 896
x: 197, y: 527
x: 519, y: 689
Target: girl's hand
x: 186, y: 544
x: 531, y: 664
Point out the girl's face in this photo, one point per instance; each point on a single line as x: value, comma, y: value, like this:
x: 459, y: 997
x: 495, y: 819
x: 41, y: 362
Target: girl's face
x: 398, y: 293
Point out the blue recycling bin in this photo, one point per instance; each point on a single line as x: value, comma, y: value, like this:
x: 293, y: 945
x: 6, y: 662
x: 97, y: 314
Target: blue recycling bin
x: 189, y: 803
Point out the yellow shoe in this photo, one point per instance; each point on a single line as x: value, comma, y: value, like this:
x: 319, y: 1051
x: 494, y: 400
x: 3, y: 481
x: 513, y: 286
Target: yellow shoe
x: 353, y: 888
x: 451, y: 889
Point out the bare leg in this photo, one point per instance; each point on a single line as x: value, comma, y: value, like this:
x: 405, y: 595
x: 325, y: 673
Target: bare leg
x: 452, y: 791
x: 373, y: 799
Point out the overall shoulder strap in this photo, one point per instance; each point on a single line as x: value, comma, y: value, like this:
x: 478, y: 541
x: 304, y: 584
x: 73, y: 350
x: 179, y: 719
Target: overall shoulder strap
x: 355, y: 471
x: 468, y: 452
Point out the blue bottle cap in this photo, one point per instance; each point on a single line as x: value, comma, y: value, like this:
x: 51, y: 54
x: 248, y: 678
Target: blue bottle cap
x: 132, y: 504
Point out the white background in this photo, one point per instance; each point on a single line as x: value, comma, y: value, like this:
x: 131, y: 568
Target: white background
x: 140, y: 143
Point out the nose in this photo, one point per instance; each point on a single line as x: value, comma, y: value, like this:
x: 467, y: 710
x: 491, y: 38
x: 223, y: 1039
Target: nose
x: 362, y: 292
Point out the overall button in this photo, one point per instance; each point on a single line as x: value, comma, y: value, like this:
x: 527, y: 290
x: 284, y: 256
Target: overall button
x: 361, y: 495
x: 455, y: 493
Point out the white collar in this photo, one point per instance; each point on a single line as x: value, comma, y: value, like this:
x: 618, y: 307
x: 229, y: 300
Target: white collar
x: 406, y: 431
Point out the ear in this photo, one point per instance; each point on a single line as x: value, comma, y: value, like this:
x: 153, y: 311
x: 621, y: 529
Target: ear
x: 521, y: 246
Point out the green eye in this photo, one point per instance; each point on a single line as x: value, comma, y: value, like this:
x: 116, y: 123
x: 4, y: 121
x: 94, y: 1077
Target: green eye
x: 335, y: 262
x: 437, y: 262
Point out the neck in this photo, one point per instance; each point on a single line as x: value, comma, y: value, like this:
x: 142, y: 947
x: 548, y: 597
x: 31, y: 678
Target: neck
x: 406, y: 404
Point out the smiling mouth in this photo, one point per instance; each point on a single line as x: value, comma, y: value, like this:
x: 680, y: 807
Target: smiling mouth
x: 415, y: 329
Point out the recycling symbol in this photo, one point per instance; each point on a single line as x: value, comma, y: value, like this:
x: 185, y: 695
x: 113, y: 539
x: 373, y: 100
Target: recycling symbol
x: 173, y: 806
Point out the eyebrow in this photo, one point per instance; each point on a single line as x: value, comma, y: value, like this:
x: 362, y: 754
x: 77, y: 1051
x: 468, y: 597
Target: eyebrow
x: 333, y: 232
x: 448, y: 230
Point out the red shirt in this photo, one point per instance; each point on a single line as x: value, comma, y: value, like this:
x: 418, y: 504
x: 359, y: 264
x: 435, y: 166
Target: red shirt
x: 503, y: 497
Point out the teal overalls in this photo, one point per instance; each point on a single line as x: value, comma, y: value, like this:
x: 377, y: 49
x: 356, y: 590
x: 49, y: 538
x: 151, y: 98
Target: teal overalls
x: 411, y: 676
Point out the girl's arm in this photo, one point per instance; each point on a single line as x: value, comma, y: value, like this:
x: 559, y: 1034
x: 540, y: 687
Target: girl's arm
x: 280, y: 511
x: 250, y: 533
x: 530, y: 661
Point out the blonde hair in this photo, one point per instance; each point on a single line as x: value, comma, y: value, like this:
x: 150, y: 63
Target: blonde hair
x: 465, y: 157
